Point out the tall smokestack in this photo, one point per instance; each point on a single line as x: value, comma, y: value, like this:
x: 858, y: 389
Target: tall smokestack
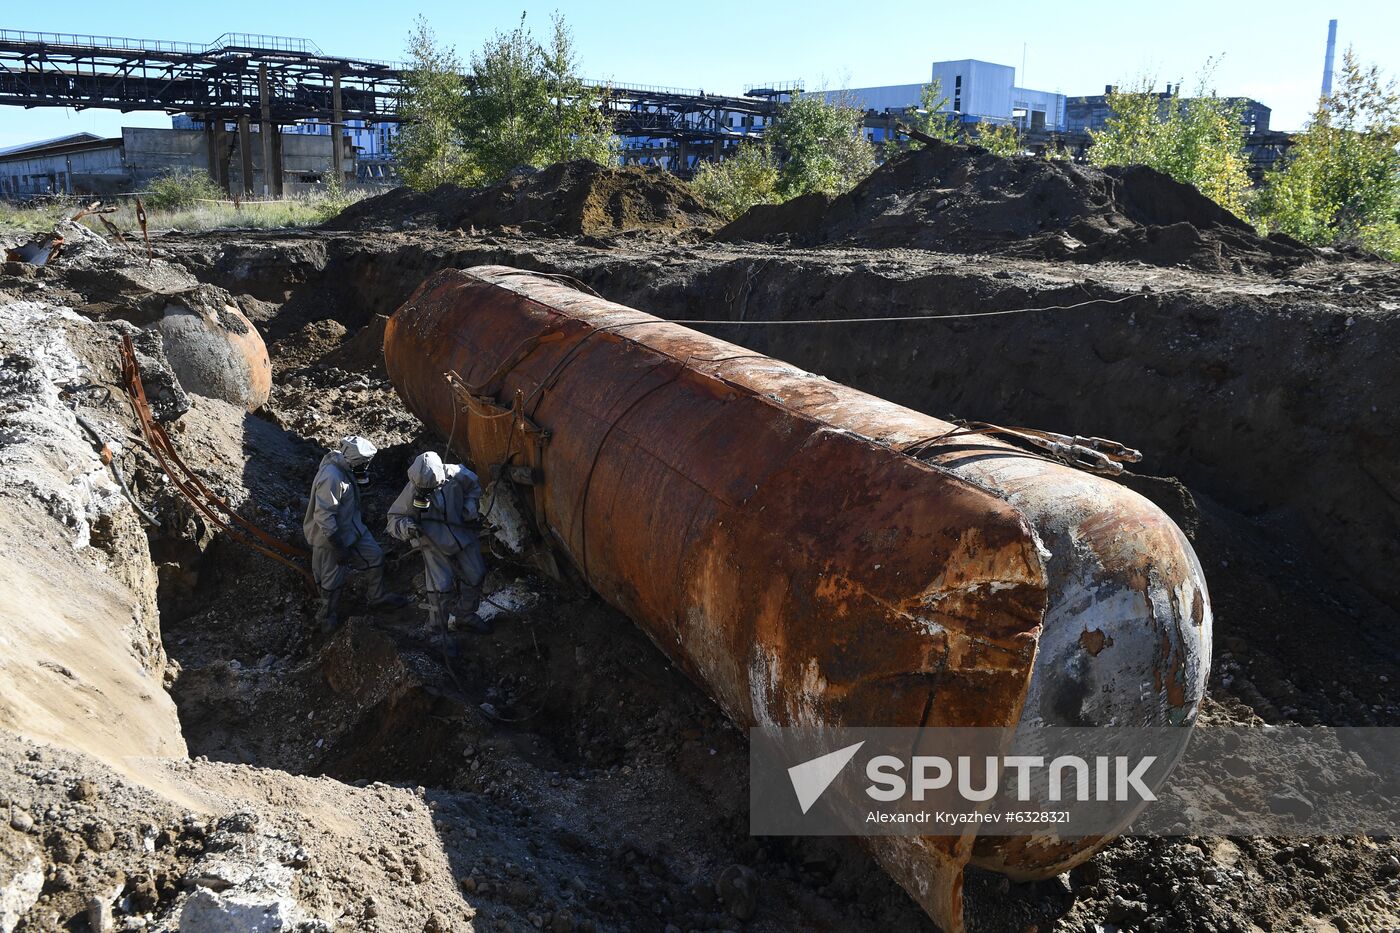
x: 1331, y: 54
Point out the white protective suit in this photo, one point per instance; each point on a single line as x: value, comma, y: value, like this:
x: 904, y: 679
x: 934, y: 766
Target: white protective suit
x: 451, y: 551
x: 333, y: 526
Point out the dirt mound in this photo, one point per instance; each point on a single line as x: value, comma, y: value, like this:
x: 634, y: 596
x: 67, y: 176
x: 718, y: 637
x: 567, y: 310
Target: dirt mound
x: 964, y: 199
x: 568, y: 198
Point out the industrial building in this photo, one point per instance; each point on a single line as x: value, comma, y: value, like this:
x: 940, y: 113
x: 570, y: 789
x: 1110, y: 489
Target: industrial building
x: 370, y: 140
x: 85, y: 163
x: 243, y: 101
x: 1092, y: 112
x: 974, y: 92
x: 245, y: 89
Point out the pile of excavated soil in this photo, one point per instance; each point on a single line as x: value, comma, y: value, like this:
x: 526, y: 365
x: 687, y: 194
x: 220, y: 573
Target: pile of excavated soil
x: 964, y: 199
x: 568, y: 198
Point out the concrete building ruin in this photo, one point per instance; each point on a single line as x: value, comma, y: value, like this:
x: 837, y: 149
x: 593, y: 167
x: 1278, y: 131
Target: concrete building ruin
x: 1091, y: 112
x: 87, y: 164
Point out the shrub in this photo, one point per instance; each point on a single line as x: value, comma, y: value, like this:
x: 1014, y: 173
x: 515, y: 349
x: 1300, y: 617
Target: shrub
x: 823, y: 147
x: 181, y: 188
x: 1199, y: 141
x: 1340, y: 184
x: 523, y: 104
x: 333, y: 198
x: 1002, y: 139
x: 932, y: 118
x: 735, y: 184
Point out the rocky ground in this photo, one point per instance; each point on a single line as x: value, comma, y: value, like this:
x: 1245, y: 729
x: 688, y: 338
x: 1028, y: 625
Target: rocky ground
x: 560, y: 775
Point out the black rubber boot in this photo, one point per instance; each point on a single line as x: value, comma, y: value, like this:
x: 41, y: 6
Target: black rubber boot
x: 326, y: 615
x: 379, y: 598
x: 468, y: 601
x: 475, y: 623
x: 438, y: 624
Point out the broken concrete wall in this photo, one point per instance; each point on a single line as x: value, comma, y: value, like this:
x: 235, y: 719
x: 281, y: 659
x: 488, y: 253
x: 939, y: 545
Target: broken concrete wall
x: 151, y: 152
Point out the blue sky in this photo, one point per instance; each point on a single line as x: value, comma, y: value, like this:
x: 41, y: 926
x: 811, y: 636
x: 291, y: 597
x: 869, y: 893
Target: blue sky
x: 1272, y: 52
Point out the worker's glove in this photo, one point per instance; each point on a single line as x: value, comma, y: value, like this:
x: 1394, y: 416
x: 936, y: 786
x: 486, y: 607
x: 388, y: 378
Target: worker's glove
x: 415, y: 540
x: 472, y: 524
x: 342, y: 554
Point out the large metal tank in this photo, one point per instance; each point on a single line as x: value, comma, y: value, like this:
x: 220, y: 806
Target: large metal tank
x: 801, y: 549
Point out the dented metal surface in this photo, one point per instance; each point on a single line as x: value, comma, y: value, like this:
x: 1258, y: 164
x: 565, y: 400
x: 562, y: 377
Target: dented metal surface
x: 801, y: 548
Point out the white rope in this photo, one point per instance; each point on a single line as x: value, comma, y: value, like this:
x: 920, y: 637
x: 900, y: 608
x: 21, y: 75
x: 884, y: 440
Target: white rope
x: 930, y: 317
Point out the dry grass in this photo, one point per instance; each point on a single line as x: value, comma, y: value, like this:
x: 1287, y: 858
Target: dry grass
x: 32, y: 219
x: 300, y: 211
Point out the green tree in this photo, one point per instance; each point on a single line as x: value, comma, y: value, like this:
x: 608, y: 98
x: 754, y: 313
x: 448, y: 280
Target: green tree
x: 429, y: 146
x: 1198, y: 141
x: 1003, y: 139
x: 582, y: 129
x: 733, y: 185
x: 932, y: 118
x: 527, y: 106
x: 823, y: 146
x: 1341, y: 181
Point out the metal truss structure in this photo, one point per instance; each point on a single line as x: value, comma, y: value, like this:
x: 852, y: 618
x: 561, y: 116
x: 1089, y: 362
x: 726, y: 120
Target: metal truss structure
x: 226, y: 78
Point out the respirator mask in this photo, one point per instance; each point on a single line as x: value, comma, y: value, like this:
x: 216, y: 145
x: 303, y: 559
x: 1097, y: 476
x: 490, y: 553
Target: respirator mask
x: 426, y: 475
x: 358, y: 452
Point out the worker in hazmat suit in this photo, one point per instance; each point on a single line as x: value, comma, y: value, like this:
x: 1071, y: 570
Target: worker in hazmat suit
x: 340, y: 542
x: 437, y: 513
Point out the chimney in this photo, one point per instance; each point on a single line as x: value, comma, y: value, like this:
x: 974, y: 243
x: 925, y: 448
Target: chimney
x: 1331, y: 55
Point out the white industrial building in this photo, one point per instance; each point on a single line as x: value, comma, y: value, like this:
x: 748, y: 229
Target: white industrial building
x: 975, y: 92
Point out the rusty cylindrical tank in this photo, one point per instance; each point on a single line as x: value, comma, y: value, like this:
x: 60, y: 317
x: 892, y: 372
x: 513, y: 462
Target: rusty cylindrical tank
x: 800, y: 550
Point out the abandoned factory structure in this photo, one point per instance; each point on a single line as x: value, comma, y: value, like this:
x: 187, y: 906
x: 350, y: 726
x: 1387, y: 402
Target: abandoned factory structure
x: 269, y: 115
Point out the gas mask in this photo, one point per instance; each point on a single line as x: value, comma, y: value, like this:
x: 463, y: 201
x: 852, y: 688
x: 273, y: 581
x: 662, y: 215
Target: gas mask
x: 426, y: 474
x: 358, y: 452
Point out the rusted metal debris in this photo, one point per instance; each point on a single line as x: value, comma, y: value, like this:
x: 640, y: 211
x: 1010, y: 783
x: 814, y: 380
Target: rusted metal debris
x: 141, y: 219
x: 39, y: 251
x: 93, y: 208
x: 113, y: 230
x: 214, y: 507
x: 44, y: 248
x: 810, y: 554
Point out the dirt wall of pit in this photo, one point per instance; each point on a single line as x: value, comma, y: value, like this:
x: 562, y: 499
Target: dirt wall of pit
x: 1273, y: 399
x: 1279, y: 410
x: 104, y: 822
x: 81, y: 661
